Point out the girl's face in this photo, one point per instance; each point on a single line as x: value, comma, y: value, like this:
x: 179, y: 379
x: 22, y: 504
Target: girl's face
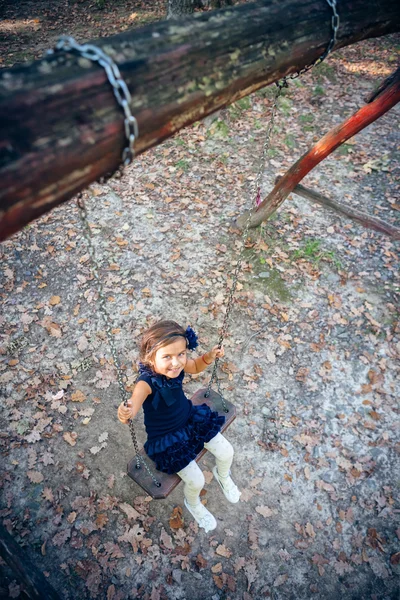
x: 170, y: 360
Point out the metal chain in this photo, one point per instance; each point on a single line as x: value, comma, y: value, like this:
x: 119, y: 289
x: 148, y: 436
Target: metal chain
x: 107, y: 322
x: 280, y: 85
x: 235, y: 277
x: 67, y: 43
x: 335, y: 22
x: 123, y: 97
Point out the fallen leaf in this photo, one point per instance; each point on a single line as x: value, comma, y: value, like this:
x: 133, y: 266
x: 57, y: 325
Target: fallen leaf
x: 251, y: 573
x: 71, y: 517
x: 201, y: 562
x: 166, y: 539
x: 70, y: 437
x: 48, y: 494
x: 101, y: 520
x: 223, y: 551
x: 61, y: 537
x: 176, y: 519
x: 217, y: 568
x: 265, y: 511
x: 54, y: 300
x: 310, y: 530
x: 35, y: 476
x: 281, y: 579
x: 239, y: 564
x: 82, y: 343
x: 218, y: 582
x: 78, y: 396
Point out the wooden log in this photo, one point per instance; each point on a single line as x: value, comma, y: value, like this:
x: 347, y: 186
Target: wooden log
x: 369, y: 113
x: 33, y: 580
x: 352, y: 213
x: 62, y: 128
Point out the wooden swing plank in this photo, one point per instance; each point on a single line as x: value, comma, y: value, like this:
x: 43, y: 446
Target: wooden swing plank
x: 169, y: 482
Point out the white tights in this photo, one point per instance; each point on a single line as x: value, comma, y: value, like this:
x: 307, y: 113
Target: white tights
x: 193, y: 476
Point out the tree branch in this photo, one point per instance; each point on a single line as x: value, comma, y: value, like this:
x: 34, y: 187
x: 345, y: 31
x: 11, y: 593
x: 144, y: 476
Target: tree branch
x: 356, y: 215
x: 369, y: 113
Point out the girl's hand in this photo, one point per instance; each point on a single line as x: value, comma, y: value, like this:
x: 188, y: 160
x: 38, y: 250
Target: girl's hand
x: 125, y: 412
x: 216, y: 352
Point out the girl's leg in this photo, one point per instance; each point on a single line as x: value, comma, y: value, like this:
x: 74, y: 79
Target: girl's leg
x: 223, y: 452
x: 194, y: 483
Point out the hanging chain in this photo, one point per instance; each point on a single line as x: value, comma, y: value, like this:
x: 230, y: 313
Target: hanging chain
x: 335, y: 22
x: 235, y: 277
x: 122, y: 95
x: 107, y: 322
x: 256, y: 193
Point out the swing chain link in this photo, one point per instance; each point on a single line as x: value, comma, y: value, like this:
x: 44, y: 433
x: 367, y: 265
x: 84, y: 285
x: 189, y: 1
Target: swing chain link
x: 67, y: 43
x: 335, y: 22
x: 281, y: 84
x: 124, y: 98
x: 107, y: 322
x: 235, y: 277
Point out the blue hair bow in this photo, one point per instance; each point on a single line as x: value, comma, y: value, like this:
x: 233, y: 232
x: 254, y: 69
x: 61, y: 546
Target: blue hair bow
x: 191, y: 337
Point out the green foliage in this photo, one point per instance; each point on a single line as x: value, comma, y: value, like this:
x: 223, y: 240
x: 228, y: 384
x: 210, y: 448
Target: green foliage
x: 219, y: 129
x: 290, y: 141
x: 182, y: 164
x: 285, y: 105
x: 239, y: 106
x: 344, y: 150
x: 223, y: 158
x: 308, y: 118
x: 243, y: 103
x: 324, y: 70
x: 266, y: 92
x: 319, y: 91
x: 310, y: 249
x: 313, y: 252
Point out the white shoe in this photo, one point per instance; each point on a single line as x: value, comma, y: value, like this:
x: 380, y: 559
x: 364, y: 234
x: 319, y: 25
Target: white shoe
x: 202, y: 516
x: 231, y: 491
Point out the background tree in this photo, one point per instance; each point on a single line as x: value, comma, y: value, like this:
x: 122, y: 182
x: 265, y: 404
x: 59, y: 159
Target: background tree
x: 179, y: 8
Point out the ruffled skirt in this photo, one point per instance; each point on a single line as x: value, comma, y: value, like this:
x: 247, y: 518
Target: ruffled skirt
x: 174, y: 451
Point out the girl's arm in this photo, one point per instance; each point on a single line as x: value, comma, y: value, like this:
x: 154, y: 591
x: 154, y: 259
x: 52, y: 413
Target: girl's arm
x: 199, y: 364
x: 139, y: 395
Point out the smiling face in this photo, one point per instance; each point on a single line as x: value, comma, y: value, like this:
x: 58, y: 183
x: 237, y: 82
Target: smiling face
x: 170, y: 360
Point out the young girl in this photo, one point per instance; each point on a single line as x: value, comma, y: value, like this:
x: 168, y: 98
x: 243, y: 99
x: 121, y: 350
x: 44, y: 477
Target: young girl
x: 177, y: 431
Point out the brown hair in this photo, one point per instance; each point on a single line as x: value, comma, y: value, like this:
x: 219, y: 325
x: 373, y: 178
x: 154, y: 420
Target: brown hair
x: 157, y: 336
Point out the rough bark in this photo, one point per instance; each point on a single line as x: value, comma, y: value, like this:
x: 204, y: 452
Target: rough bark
x: 365, y: 219
x: 62, y: 128
x: 34, y: 581
x: 384, y: 101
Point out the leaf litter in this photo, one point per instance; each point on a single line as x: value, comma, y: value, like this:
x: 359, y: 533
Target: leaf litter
x: 315, y: 341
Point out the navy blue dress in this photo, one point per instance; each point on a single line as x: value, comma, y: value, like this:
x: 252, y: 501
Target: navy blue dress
x: 176, y: 430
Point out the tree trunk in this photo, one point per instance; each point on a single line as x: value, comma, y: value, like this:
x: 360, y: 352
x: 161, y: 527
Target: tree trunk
x: 383, y: 101
x: 62, y: 128
x: 180, y: 8
x: 26, y: 572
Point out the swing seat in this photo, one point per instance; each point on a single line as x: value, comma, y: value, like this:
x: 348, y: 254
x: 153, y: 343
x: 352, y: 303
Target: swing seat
x: 169, y: 482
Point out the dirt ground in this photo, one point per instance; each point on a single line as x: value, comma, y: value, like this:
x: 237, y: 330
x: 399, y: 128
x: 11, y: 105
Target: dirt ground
x: 311, y: 356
